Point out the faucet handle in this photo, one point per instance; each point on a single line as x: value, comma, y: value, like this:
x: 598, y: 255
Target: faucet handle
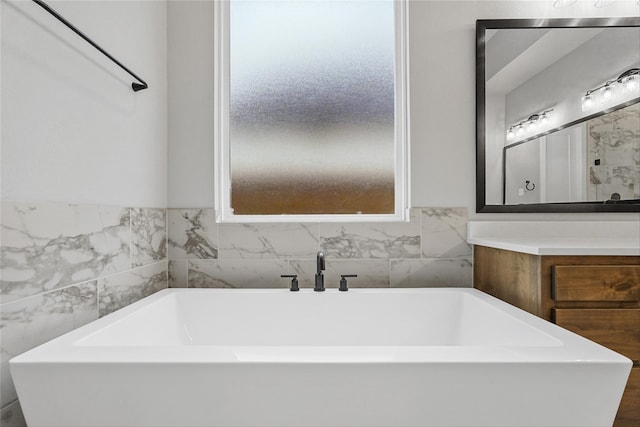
x: 294, y: 282
x: 343, y: 281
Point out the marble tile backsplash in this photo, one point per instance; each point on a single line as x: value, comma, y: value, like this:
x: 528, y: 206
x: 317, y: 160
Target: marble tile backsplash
x: 63, y: 266
x: 48, y: 246
x: 429, y: 250
x: 120, y: 290
x: 372, y: 240
x: 444, y: 232
x: 148, y: 236
x: 267, y: 241
x: 193, y: 234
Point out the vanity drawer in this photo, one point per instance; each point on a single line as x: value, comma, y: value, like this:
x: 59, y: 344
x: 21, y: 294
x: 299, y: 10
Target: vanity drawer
x: 617, y: 329
x: 596, y: 282
x: 629, y: 411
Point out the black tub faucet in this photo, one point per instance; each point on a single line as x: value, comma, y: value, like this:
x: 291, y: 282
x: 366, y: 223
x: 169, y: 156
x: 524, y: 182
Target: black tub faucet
x: 319, y: 287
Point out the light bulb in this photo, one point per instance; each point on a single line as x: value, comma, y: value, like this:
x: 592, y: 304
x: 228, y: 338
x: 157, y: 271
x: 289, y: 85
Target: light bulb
x: 630, y: 82
x: 520, y: 130
x: 587, y: 102
x: 544, y: 119
x: 607, y: 92
x: 531, y: 125
x: 511, y: 134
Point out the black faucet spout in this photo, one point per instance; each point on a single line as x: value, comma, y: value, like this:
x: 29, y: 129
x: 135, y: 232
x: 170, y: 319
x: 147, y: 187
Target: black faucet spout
x: 320, y: 262
x: 319, y: 286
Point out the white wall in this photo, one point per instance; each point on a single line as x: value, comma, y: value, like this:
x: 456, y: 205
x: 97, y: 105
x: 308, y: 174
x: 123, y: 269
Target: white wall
x: 190, y: 69
x: 523, y: 164
x: 493, y: 146
x: 72, y: 129
x: 565, y: 167
x: 442, y: 92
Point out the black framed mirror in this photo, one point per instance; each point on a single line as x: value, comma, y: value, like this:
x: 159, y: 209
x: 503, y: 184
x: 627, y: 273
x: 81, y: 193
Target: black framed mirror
x: 558, y: 115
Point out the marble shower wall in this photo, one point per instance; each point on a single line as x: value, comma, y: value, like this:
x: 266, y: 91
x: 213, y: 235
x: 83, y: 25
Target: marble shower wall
x: 614, y: 140
x: 429, y: 250
x: 63, y: 266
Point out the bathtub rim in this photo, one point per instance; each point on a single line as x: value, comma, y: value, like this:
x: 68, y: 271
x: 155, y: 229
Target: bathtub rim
x: 572, y: 350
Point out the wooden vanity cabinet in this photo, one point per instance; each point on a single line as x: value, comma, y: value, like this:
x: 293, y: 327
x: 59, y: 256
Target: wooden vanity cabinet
x: 597, y: 297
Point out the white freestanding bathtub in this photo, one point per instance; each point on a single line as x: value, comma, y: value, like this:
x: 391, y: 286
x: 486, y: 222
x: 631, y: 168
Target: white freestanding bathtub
x: 366, y: 357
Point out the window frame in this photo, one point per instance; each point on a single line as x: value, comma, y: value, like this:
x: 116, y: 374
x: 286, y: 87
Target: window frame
x: 222, y: 184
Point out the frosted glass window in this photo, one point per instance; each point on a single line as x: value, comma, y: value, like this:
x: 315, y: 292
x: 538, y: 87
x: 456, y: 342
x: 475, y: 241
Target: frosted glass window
x: 311, y: 107
x: 310, y: 110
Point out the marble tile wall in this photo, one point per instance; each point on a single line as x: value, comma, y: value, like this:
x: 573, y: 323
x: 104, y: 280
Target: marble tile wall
x: 429, y: 250
x: 613, y: 140
x: 62, y: 266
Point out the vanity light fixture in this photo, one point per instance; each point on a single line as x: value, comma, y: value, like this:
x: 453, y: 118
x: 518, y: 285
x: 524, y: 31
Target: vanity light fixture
x: 530, y: 125
x: 612, y: 90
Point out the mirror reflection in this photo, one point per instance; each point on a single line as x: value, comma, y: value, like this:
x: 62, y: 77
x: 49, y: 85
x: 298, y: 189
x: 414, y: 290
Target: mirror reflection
x: 598, y: 159
x: 561, y: 115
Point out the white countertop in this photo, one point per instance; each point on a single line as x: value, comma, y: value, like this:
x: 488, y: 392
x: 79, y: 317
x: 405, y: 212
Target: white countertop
x: 620, y: 238
x: 561, y: 245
